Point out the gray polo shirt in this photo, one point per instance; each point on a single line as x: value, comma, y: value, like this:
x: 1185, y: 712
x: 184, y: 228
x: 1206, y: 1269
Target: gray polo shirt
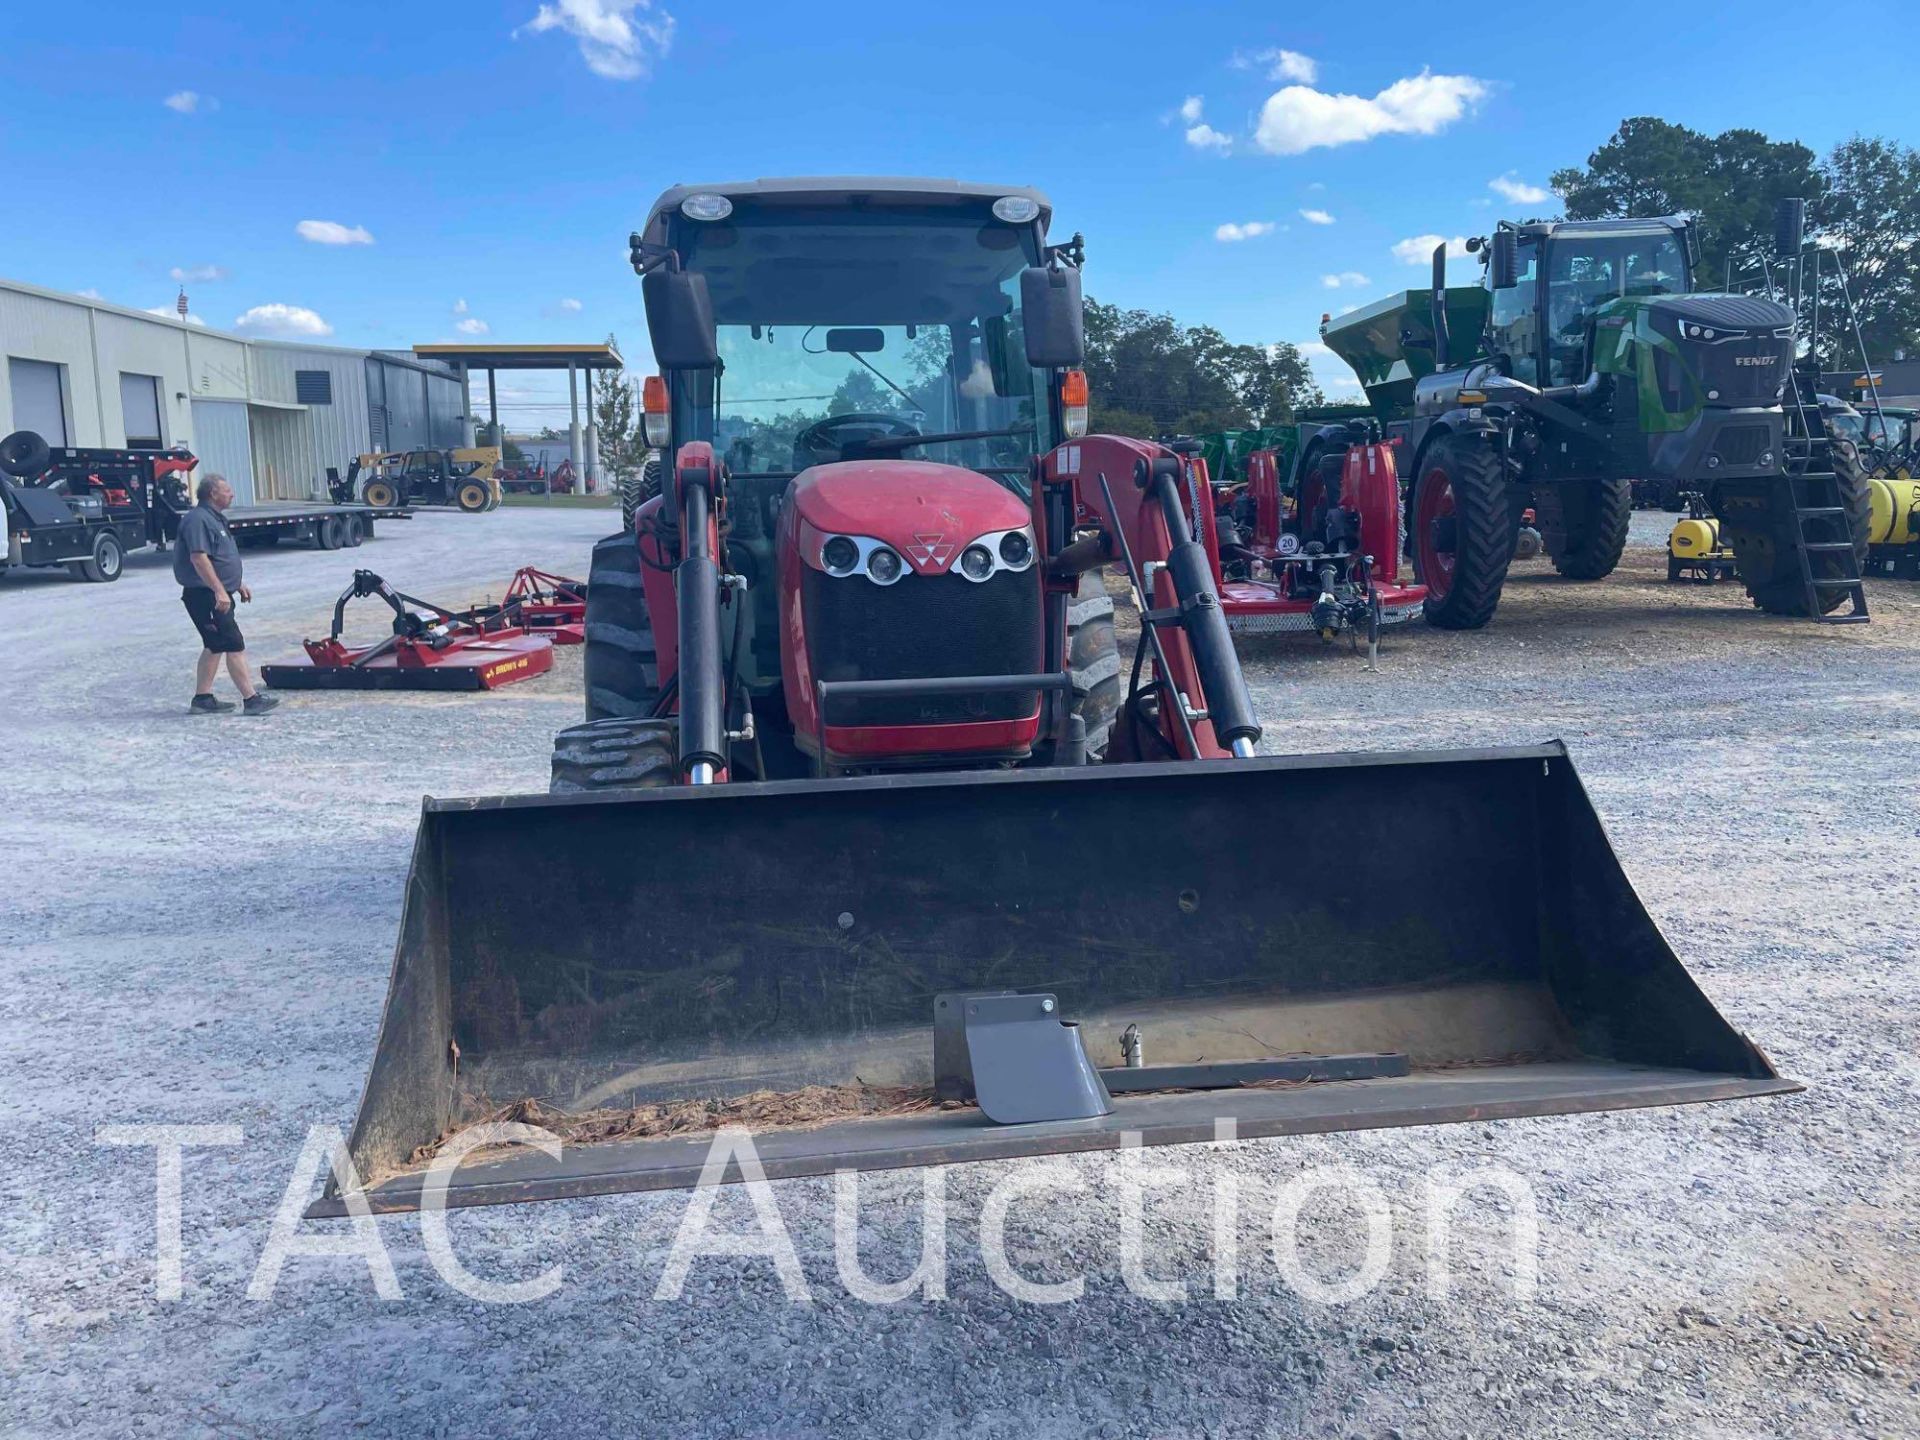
x: 204, y: 532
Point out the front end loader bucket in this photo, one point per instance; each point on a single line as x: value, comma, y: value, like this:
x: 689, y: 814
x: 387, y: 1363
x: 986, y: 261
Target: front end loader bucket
x: 1402, y: 939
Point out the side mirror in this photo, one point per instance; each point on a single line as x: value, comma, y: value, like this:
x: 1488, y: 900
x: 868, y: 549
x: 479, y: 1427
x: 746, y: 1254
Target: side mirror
x: 680, y: 320
x: 1053, y: 317
x: 1789, y: 227
x: 1503, y: 260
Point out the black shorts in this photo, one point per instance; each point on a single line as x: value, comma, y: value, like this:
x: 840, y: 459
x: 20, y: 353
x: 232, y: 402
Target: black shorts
x: 219, y: 631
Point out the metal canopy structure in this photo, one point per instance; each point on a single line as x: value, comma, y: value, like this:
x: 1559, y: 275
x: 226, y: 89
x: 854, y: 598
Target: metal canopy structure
x: 571, y: 358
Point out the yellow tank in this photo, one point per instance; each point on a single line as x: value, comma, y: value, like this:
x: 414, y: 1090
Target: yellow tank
x: 1895, y: 506
x: 1694, y: 539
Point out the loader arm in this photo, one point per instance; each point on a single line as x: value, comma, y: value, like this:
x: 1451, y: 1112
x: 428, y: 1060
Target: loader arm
x: 1130, y: 492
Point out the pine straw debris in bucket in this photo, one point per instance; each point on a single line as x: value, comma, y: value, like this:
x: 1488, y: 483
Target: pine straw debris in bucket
x: 757, y: 1110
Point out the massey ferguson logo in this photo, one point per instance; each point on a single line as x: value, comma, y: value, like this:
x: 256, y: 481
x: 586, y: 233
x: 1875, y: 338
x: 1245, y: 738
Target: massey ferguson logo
x: 930, y: 550
x: 1755, y: 360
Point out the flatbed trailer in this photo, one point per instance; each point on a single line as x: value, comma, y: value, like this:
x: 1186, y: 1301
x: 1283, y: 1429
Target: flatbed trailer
x: 87, y: 509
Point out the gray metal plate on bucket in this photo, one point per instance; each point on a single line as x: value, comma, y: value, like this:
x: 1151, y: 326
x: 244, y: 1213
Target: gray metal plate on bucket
x: 709, y: 943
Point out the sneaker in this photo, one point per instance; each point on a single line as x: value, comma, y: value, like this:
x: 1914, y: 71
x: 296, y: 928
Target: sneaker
x: 258, y: 704
x: 207, y: 705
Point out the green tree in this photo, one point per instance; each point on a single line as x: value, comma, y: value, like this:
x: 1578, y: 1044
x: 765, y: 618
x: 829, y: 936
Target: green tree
x: 1863, y: 207
x: 618, y: 419
x: 1729, y: 182
x: 1147, y: 375
x: 1870, y: 218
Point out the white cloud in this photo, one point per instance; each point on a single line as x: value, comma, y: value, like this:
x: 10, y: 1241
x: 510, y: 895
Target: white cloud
x: 1519, y: 192
x: 332, y: 232
x: 1252, y: 230
x: 459, y: 307
x: 1190, y: 109
x: 288, y: 322
x: 1344, y: 279
x: 1418, y: 249
x: 1205, y: 137
x: 619, y: 39
x: 1298, y: 118
x: 1279, y: 64
x: 197, y: 274
x: 89, y: 294
x: 472, y: 326
x: 571, y: 305
x: 1317, y: 217
x: 168, y: 312
x: 190, y: 102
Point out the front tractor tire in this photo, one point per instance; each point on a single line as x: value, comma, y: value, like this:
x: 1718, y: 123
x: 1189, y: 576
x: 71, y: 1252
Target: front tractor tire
x: 636, y: 490
x: 622, y: 665
x: 1093, y: 660
x: 619, y: 753
x: 1461, y: 532
x: 473, y: 497
x: 1592, y: 532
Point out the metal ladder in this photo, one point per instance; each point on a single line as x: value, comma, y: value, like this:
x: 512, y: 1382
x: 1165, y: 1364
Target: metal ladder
x: 1820, y: 510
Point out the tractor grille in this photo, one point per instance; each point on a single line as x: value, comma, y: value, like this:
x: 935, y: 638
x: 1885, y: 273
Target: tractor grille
x: 923, y: 627
x: 1741, y: 444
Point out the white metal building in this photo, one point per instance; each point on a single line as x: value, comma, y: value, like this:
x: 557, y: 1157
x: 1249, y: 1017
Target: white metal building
x: 271, y: 417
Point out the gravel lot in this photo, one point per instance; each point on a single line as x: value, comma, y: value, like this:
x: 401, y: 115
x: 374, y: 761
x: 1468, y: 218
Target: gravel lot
x: 200, y: 919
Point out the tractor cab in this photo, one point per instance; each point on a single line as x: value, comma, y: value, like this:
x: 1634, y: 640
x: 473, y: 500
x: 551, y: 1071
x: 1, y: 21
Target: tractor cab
x: 1562, y: 275
x: 872, y: 407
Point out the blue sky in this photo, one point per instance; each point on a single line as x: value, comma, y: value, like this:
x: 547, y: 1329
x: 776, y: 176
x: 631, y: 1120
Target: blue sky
x: 481, y: 164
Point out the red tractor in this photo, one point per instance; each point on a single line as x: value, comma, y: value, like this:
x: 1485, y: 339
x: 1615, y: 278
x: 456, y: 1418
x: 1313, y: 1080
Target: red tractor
x: 865, y: 830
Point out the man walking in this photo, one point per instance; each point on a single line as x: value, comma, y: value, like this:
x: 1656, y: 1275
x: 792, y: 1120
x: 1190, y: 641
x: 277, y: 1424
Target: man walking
x: 206, y: 562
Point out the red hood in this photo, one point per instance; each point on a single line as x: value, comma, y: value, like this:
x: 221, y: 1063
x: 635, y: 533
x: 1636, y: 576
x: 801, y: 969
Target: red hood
x: 927, y: 512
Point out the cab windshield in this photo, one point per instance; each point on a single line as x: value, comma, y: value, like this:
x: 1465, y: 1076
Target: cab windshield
x: 906, y: 318
x: 1586, y: 271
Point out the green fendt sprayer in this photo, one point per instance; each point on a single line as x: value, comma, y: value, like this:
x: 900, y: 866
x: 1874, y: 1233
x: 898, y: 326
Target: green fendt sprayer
x: 1586, y: 360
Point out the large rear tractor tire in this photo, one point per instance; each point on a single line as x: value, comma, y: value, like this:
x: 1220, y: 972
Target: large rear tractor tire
x: 1093, y: 659
x: 619, y: 753
x: 1462, y: 531
x: 1765, y: 559
x: 1594, y: 517
x: 622, y: 666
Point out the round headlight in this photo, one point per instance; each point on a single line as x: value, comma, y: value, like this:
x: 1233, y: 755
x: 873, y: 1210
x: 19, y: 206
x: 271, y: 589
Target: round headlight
x: 706, y: 206
x: 883, y: 565
x: 976, y: 561
x: 1015, y: 548
x: 1016, y: 209
x: 839, y: 555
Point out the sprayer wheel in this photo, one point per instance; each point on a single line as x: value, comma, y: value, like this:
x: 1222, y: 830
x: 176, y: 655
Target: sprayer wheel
x: 1462, y: 532
x: 621, y: 753
x: 622, y: 666
x: 1596, y: 517
x: 1765, y: 559
x: 1093, y: 659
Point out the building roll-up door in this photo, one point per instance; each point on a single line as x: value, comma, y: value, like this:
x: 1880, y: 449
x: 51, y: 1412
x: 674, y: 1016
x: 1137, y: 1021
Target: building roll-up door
x: 223, y: 443
x: 38, y: 402
x: 140, y: 411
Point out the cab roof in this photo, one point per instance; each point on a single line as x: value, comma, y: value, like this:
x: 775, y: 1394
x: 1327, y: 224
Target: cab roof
x: 838, y: 189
